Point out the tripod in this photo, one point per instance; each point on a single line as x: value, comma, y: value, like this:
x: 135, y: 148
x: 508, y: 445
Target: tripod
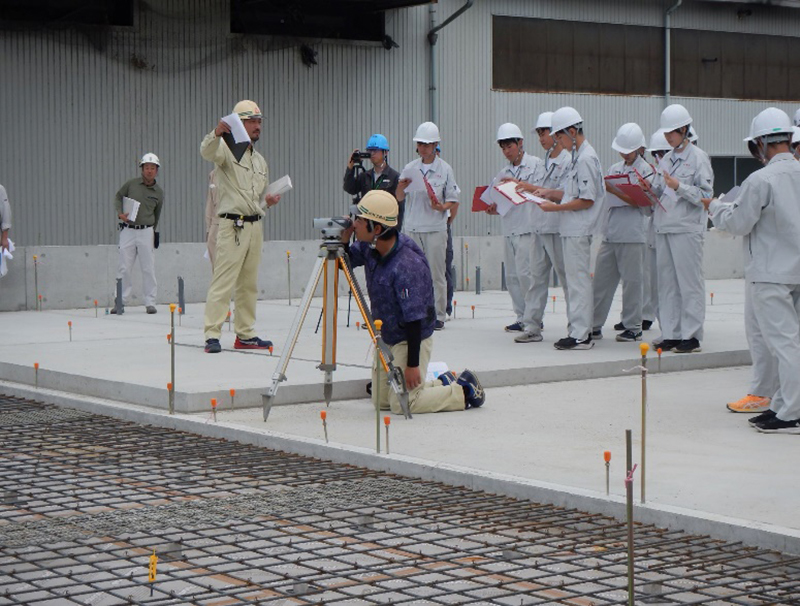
x: 330, y: 260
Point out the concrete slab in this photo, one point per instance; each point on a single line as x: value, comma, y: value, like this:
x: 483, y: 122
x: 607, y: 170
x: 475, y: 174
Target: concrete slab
x: 127, y: 358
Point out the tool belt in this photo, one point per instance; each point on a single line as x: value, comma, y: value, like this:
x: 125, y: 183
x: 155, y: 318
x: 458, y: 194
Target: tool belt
x: 240, y: 220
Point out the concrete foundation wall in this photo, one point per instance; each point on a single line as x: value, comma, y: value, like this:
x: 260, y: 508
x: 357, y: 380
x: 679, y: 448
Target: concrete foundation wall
x: 75, y: 276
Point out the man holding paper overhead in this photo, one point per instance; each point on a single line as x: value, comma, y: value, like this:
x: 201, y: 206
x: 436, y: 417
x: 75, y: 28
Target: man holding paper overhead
x: 242, y: 178
x: 138, y: 203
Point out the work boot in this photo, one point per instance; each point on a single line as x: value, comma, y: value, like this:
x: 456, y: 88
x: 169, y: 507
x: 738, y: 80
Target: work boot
x: 151, y: 309
x: 515, y: 327
x: 688, y: 346
x: 528, y: 337
x: 213, y: 346
x: 629, y: 335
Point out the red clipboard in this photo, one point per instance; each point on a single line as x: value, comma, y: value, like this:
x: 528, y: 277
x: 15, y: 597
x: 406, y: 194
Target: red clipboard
x: 633, y: 190
x: 478, y: 205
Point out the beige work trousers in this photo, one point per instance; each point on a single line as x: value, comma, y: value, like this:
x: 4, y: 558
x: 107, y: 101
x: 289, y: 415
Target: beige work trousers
x: 235, y: 271
x: 430, y: 396
x: 211, y: 242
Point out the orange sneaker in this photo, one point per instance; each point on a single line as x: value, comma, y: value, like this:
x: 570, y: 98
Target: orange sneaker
x: 749, y: 404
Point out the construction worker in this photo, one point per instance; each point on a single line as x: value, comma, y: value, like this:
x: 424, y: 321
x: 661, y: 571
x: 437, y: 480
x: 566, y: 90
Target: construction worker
x: 796, y: 142
x: 547, y: 252
x: 401, y: 296
x: 137, y: 238
x: 426, y: 211
x: 764, y: 367
x: 685, y: 177
x: 766, y: 213
x: 579, y: 203
x: 622, y: 252
x: 380, y: 176
x: 516, y: 223
x: 658, y: 149
x: 212, y: 218
x: 241, y: 185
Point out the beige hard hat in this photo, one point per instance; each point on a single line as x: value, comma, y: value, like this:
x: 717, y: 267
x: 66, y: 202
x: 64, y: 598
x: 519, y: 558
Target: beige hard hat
x: 379, y: 206
x: 247, y: 110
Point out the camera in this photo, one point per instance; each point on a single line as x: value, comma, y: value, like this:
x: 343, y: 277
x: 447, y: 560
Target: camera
x: 332, y: 227
x: 359, y: 155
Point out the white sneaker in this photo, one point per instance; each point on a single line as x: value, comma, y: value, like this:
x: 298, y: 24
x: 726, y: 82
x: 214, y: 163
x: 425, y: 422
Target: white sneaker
x: 528, y: 337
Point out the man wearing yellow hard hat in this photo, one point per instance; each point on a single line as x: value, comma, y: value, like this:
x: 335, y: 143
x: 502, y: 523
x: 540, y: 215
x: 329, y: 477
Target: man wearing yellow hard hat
x: 401, y: 296
x: 241, y: 186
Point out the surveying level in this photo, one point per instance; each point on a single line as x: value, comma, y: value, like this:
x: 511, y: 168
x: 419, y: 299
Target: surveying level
x: 331, y: 258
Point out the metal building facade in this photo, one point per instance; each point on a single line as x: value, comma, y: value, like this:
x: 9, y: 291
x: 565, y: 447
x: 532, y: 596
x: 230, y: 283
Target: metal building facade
x: 78, y: 109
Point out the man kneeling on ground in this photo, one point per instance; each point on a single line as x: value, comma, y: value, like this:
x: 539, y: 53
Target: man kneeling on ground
x: 401, y: 295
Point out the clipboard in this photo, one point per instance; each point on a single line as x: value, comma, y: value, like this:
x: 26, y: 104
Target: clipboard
x: 237, y: 149
x: 478, y: 205
x: 634, y: 191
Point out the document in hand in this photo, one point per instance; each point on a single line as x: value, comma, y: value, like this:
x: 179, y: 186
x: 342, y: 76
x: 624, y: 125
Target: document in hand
x: 731, y: 195
x: 417, y: 180
x: 632, y: 190
x: 237, y: 140
x: 279, y: 187
x: 505, y: 197
x: 478, y: 204
x: 130, y: 207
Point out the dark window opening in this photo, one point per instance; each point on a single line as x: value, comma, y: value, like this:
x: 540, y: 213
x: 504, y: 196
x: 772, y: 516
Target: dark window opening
x: 542, y: 55
x: 57, y: 13
x: 344, y: 20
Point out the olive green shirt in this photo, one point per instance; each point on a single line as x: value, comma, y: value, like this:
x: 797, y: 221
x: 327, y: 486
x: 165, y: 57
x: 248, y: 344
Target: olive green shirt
x: 240, y: 185
x: 150, y: 197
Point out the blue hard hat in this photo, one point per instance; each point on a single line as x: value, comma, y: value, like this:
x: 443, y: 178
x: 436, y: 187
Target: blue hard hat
x: 378, y: 142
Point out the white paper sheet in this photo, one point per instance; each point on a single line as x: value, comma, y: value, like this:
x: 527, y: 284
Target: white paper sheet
x: 731, y: 195
x: 417, y: 182
x: 238, y: 130
x: 130, y: 207
x: 5, y: 257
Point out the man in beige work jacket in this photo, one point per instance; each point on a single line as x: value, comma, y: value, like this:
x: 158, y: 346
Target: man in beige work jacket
x: 241, y: 186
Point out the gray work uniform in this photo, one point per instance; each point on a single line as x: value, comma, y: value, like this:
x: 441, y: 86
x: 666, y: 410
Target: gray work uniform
x: 650, y: 297
x: 767, y: 214
x: 680, y: 224
x: 428, y: 227
x: 547, y: 251
x: 516, y: 226
x: 584, y: 180
x: 621, y: 255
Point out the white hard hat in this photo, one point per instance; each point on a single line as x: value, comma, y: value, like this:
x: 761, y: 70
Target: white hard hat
x: 247, y: 110
x: 427, y: 132
x: 674, y: 117
x: 797, y: 118
x: 629, y: 138
x: 564, y: 118
x: 658, y: 142
x: 796, y: 136
x: 771, y: 121
x: 544, y: 121
x: 149, y: 158
x: 508, y: 131
x: 692, y: 135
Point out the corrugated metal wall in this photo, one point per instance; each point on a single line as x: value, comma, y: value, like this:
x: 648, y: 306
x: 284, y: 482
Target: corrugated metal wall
x: 77, y: 112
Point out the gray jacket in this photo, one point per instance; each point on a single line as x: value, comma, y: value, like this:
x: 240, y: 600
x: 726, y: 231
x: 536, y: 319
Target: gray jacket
x: 767, y: 214
x: 683, y: 210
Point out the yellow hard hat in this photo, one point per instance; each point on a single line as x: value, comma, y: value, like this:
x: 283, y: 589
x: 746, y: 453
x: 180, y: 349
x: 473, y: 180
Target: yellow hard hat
x: 247, y: 109
x: 379, y: 206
